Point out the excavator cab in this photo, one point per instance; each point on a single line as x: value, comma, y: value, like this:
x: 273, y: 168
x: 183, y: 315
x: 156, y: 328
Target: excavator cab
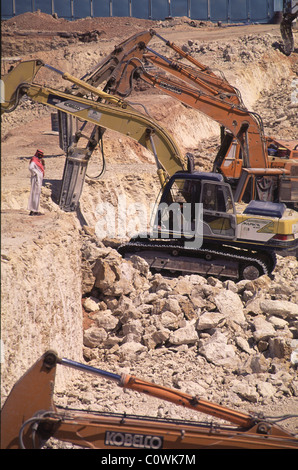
x: 195, y: 205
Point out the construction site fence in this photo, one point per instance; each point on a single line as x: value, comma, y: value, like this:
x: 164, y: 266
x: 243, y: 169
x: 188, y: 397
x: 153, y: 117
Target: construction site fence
x: 229, y: 11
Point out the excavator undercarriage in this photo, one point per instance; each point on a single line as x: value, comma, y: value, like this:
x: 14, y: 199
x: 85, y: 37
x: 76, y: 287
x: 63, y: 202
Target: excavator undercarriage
x: 224, y: 262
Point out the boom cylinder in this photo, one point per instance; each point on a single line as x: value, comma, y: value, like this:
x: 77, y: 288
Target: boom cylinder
x: 168, y: 394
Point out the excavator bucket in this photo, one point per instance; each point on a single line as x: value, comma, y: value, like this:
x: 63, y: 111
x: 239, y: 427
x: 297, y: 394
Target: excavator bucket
x: 31, y: 394
x: 22, y: 73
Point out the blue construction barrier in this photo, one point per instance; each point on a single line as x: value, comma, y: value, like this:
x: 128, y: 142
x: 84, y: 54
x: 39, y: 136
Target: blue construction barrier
x: 101, y: 8
x: 230, y: 11
x: 63, y: 9
x: 140, y: 9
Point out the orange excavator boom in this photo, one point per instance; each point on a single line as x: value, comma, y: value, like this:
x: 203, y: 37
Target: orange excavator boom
x: 245, y: 145
x: 29, y: 418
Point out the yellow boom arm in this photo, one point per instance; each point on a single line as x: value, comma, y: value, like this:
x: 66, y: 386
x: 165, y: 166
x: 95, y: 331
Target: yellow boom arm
x: 110, y: 113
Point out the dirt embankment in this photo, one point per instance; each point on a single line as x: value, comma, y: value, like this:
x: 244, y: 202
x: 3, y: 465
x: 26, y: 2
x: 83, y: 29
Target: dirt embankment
x: 47, y: 261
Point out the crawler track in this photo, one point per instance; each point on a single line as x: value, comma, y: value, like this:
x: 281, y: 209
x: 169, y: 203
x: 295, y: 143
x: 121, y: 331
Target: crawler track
x: 223, y: 263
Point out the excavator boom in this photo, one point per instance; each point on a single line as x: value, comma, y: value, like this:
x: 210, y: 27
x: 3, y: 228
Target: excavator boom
x: 29, y: 417
x: 123, y: 52
x: 234, y: 118
x: 111, y: 112
x: 245, y: 145
x: 210, y: 94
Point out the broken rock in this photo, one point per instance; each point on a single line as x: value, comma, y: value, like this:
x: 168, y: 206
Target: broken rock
x: 185, y: 335
x: 91, y: 305
x: 230, y: 305
x: 106, y: 320
x: 130, y: 350
x: 245, y: 391
x: 115, y: 276
x: 266, y: 389
x: 209, y: 320
x: 280, y: 347
x: 263, y: 329
x: 94, y: 337
x: 280, y: 308
x: 217, y: 351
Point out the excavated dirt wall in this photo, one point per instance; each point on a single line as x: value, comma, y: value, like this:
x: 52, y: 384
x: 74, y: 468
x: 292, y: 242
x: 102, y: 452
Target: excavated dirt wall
x: 40, y: 292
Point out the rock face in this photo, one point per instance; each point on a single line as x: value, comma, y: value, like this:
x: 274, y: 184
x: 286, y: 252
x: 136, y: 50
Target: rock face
x: 40, y: 294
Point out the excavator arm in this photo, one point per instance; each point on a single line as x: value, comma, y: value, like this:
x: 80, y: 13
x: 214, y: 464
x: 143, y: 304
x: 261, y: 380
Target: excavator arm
x: 244, y: 145
x: 29, y: 417
x: 197, y: 75
x: 244, y: 126
x: 106, y: 111
x: 204, y: 90
x: 132, y: 47
x: 202, y: 78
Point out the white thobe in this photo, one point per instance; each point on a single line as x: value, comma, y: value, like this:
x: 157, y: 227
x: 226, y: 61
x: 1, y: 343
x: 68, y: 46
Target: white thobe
x: 36, y: 184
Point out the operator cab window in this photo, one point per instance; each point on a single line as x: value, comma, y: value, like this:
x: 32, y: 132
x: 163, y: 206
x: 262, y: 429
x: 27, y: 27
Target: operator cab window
x: 216, y: 197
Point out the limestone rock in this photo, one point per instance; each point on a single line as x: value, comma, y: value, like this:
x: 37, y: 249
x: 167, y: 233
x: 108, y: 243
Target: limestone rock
x: 266, y: 389
x: 263, y: 329
x: 115, y: 276
x: 243, y: 344
x: 169, y: 320
x: 185, y: 335
x: 209, y: 320
x: 106, y: 320
x: 280, y: 308
x: 245, y: 391
x: 91, y: 304
x: 133, y: 330
x: 172, y: 305
x: 140, y: 265
x: 258, y: 364
x: 130, y: 350
x: 217, y: 351
x: 94, y: 337
x: 280, y: 347
x: 230, y: 305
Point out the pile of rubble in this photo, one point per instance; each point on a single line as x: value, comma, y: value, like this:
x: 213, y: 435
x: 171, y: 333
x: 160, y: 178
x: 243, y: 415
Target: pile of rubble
x: 245, y: 330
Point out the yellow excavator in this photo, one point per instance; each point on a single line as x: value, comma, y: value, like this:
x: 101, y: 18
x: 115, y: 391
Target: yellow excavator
x: 197, y: 228
x: 257, y: 166
x: 29, y: 418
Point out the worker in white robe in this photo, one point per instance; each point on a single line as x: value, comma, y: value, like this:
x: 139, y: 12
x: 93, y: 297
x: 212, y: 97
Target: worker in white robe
x: 36, y: 168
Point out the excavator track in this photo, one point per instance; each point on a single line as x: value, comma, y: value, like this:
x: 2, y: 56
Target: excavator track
x: 173, y: 258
